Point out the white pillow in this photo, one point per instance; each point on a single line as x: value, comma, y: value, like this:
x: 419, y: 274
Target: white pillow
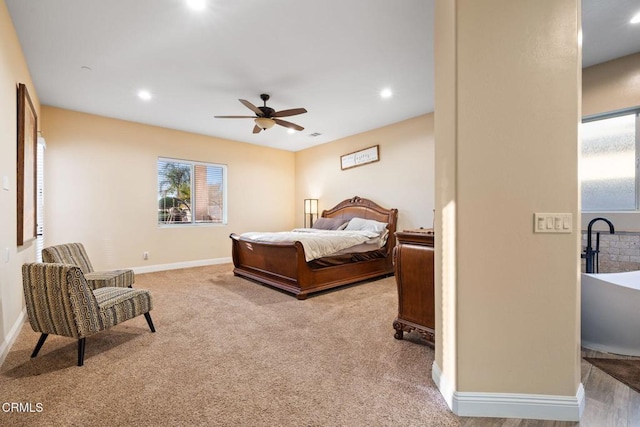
x: 366, y: 225
x: 380, y: 240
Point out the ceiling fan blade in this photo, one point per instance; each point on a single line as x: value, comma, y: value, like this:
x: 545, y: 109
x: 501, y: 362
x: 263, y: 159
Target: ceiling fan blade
x: 257, y: 129
x: 291, y: 112
x: 288, y: 124
x: 234, y: 117
x: 252, y: 107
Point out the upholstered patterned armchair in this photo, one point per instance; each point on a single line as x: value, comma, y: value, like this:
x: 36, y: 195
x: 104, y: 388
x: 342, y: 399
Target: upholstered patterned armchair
x: 75, y: 254
x: 59, y: 301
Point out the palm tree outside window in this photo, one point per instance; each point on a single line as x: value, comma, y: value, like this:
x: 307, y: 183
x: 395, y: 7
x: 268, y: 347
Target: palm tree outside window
x: 191, y: 192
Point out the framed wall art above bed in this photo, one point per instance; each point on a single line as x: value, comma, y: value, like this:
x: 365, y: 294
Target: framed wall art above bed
x: 360, y: 157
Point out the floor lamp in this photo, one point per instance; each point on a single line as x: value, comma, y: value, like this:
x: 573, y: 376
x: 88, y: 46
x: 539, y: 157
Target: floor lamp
x: 310, y: 209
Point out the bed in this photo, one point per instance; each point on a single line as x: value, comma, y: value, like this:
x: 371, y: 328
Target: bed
x: 284, y: 265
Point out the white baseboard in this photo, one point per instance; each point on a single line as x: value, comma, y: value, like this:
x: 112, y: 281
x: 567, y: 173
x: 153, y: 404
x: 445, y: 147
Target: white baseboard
x: 510, y: 405
x: 177, y: 265
x: 445, y: 387
x: 12, y: 335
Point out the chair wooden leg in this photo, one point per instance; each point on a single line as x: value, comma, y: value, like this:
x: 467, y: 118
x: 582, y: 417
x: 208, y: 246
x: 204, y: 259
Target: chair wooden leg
x: 41, y: 341
x: 81, y: 351
x: 149, y: 322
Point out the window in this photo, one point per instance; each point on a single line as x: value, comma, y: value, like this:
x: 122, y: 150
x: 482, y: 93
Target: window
x: 191, y: 192
x: 609, y: 163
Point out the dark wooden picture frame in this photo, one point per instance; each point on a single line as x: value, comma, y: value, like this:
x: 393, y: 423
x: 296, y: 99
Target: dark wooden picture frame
x: 26, y: 166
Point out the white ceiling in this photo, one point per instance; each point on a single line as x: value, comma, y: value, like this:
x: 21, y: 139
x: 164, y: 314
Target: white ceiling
x: 331, y: 57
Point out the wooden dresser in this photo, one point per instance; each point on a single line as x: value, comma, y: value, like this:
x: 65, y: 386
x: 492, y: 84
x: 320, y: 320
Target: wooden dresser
x: 414, y: 269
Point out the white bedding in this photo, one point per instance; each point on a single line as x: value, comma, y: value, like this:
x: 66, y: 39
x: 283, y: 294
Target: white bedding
x: 320, y: 243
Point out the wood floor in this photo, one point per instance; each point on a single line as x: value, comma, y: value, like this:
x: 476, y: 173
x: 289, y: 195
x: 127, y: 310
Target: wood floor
x: 609, y: 403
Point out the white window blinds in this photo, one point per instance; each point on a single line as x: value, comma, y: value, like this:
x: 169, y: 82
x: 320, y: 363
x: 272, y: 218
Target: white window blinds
x: 191, y: 192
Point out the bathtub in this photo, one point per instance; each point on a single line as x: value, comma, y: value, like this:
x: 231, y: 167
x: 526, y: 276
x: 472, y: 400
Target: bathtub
x: 611, y: 312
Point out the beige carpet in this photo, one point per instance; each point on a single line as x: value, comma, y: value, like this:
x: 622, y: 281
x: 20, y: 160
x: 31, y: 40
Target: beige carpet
x: 229, y: 352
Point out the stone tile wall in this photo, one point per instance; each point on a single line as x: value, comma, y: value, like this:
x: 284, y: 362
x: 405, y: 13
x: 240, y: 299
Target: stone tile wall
x: 618, y: 252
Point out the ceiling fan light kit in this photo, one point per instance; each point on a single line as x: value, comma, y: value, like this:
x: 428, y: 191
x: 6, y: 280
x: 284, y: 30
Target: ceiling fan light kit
x: 264, y: 123
x: 266, y: 117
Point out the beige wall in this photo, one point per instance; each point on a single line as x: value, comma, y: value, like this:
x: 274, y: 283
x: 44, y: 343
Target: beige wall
x: 446, y: 307
x: 402, y: 179
x: 101, y: 190
x: 13, y: 70
x: 612, y: 86
x: 509, y: 149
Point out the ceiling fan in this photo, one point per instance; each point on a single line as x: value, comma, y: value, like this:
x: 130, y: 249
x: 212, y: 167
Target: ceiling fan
x: 267, y: 117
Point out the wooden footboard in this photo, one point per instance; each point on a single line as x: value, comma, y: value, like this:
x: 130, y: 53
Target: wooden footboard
x: 283, y: 265
x: 275, y: 264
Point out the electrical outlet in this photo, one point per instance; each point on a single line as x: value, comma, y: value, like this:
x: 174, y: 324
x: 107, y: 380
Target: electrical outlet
x: 145, y: 255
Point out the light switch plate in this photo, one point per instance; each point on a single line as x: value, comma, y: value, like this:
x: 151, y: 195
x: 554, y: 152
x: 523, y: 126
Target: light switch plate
x: 552, y: 222
x: 5, y: 183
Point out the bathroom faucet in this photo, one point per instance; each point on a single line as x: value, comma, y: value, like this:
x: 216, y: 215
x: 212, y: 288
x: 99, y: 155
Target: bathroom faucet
x: 589, y: 252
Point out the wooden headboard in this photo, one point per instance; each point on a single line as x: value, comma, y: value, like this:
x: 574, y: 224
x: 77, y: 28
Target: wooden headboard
x: 367, y: 209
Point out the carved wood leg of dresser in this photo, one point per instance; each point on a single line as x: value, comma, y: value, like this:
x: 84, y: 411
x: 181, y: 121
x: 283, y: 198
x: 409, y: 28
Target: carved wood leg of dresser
x: 398, y: 327
x: 405, y: 326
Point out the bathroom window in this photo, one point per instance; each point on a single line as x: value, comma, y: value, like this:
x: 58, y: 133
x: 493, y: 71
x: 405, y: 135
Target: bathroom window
x: 609, y: 163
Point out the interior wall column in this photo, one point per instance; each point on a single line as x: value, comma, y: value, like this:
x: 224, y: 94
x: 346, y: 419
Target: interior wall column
x: 507, y: 111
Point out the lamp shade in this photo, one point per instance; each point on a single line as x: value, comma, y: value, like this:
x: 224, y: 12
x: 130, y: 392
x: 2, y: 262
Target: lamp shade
x: 311, y: 206
x: 264, y: 122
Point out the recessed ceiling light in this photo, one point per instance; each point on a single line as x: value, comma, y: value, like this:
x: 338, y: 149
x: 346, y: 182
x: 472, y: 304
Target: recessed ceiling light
x: 386, y: 93
x: 197, y: 4
x: 144, y: 95
x: 635, y: 19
